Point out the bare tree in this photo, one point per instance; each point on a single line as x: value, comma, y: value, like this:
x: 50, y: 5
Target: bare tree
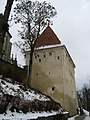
x: 4, y: 23
x: 84, y: 97
x: 33, y: 16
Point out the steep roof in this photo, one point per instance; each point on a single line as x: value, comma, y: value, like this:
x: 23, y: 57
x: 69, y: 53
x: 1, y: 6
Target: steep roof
x: 48, y: 37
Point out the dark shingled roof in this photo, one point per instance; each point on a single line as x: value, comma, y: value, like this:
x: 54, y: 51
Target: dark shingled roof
x: 48, y: 37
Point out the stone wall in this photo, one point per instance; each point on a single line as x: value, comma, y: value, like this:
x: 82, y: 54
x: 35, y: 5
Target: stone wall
x: 12, y: 71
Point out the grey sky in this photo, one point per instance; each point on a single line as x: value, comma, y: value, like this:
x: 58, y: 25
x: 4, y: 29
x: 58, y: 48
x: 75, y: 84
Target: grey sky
x: 72, y: 26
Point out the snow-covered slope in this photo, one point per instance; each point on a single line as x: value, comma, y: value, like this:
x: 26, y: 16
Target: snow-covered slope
x: 27, y: 116
x: 7, y: 87
x: 19, y: 103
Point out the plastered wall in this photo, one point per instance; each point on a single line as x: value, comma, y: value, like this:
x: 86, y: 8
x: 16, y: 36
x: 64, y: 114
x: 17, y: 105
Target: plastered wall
x: 54, y: 75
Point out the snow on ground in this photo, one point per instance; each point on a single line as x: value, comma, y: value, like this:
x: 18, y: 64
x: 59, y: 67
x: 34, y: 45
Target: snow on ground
x: 9, y: 88
x: 86, y: 118
x: 27, y: 116
x: 72, y: 118
x: 86, y: 112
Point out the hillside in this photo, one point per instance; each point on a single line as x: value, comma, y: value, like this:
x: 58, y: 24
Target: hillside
x: 17, y: 101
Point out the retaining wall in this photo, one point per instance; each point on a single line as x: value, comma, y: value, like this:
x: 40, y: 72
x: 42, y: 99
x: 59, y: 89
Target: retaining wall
x: 12, y: 71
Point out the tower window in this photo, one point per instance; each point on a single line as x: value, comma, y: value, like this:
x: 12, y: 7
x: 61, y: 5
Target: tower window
x: 53, y: 88
x: 35, y: 57
x: 50, y: 54
x: 38, y: 55
x: 39, y: 60
x: 58, y: 57
x: 44, y: 56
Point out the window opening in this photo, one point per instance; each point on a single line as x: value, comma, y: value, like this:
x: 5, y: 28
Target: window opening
x: 39, y: 60
x: 58, y: 57
x: 50, y: 54
x: 35, y: 57
x: 53, y: 88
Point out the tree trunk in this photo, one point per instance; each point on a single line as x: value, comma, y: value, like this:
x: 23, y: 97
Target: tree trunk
x: 32, y: 46
x: 29, y: 75
x: 8, y: 9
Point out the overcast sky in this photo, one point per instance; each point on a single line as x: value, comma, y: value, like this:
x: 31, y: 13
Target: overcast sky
x: 72, y: 26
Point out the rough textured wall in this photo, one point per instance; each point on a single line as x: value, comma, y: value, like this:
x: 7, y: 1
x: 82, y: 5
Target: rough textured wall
x: 7, y: 47
x: 53, y: 74
x: 46, y: 77
x: 12, y: 71
x: 70, y: 97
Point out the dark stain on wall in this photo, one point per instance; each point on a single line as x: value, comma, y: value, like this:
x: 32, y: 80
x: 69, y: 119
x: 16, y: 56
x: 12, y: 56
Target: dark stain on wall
x: 12, y: 71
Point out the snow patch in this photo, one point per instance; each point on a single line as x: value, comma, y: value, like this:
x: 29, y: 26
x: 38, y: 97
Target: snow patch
x: 21, y: 116
x: 7, y: 87
x: 15, y: 89
x: 86, y: 112
x: 73, y: 118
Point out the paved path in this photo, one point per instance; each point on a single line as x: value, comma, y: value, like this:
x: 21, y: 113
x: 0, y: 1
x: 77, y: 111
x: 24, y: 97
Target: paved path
x: 82, y: 117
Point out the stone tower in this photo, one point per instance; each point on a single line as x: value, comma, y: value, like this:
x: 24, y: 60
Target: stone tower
x: 54, y: 70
